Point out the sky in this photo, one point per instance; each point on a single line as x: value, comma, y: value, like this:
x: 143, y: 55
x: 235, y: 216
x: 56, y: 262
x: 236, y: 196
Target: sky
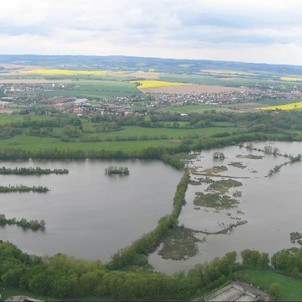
x: 259, y: 31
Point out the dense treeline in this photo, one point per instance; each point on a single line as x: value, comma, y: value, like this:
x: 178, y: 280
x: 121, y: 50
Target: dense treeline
x: 31, y: 171
x: 71, y: 154
x: 286, y: 261
x: 62, y: 276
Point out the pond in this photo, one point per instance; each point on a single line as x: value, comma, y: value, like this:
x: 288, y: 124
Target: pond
x: 88, y: 214
x: 268, y: 208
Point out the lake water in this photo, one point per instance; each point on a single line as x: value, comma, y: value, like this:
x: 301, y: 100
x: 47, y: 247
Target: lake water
x: 91, y: 215
x: 271, y: 206
x: 88, y: 214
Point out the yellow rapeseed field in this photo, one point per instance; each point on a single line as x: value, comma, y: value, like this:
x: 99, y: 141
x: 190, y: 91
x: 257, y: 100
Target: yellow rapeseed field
x: 291, y: 79
x: 289, y: 106
x: 65, y: 72
x: 153, y: 84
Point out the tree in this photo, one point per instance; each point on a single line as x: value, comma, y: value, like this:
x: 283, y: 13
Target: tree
x: 274, y: 290
x: 218, y: 155
x: 250, y: 258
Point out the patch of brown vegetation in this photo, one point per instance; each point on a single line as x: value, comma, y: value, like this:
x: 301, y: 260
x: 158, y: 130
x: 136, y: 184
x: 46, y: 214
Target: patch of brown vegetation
x: 245, y: 106
x: 194, y: 88
x: 13, y: 69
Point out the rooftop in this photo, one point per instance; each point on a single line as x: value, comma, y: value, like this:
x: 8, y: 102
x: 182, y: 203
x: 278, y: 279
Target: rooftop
x: 238, y: 291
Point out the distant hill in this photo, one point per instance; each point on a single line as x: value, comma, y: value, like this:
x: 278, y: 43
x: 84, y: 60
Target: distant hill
x: 145, y: 64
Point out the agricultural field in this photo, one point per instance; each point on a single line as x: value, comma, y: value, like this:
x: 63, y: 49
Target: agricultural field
x: 176, y: 88
x: 120, y: 89
x: 94, y: 89
x: 194, y: 108
x: 64, y: 72
x: 229, y: 73
x: 290, y: 106
x: 291, y: 79
x: 145, y: 84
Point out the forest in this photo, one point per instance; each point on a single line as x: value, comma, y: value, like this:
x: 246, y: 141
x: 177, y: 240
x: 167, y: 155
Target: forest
x: 62, y: 276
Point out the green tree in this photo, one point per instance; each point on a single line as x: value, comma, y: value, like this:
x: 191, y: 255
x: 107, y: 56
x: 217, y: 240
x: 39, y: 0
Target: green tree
x: 274, y: 290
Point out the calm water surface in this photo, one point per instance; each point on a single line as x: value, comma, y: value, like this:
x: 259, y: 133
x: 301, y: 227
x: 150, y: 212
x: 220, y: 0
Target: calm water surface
x: 88, y: 214
x: 91, y: 215
x: 271, y: 206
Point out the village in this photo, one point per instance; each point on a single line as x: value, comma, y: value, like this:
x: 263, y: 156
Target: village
x: 27, y: 95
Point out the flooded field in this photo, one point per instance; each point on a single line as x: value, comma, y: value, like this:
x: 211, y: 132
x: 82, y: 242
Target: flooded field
x: 249, y: 199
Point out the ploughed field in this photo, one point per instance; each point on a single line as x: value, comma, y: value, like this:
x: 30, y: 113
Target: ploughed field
x: 193, y: 88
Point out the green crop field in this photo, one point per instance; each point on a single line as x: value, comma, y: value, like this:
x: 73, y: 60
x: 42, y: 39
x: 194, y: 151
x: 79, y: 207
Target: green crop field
x: 226, y: 80
x: 95, y: 89
x: 194, y: 108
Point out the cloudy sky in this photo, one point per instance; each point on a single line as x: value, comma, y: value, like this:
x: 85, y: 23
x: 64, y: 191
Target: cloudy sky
x: 268, y: 31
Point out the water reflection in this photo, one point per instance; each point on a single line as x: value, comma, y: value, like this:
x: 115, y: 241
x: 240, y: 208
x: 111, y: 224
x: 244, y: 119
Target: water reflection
x: 87, y: 213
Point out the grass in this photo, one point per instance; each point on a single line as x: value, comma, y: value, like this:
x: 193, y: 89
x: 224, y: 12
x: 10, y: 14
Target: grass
x: 275, y: 102
x: 128, y: 138
x: 7, y: 119
x: 290, y: 288
x: 32, y: 143
x: 9, y: 292
x: 170, y: 133
x: 194, y: 108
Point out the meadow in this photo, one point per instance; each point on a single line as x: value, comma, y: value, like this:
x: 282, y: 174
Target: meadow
x: 40, y: 132
x: 38, y: 144
x: 290, y: 289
